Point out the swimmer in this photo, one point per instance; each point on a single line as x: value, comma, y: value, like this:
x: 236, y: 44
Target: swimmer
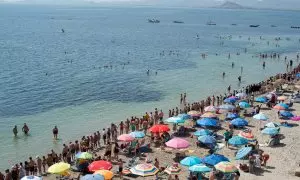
x: 25, y: 129
x: 223, y: 74
x: 239, y: 78
x: 15, y: 131
x: 148, y: 72
x: 232, y: 64
x: 264, y: 64
x: 55, y: 132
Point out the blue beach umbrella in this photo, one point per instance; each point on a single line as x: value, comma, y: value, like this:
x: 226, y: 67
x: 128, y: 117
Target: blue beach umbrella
x: 272, y: 125
x: 243, y: 152
x: 207, y: 139
x: 31, y: 178
x: 244, y: 104
x: 232, y: 115
x: 202, y: 132
x: 184, y: 116
x: 261, y: 99
x: 260, y: 116
x: 190, y: 161
x: 270, y: 131
x: 175, y: 120
x: 298, y: 75
x: 227, y: 107
x: 199, y: 168
x: 230, y: 100
x: 92, y: 177
x: 240, y: 122
x: 286, y: 114
x: 283, y: 105
x: 137, y: 134
x: 237, y: 141
x: 214, y: 159
x: 207, y: 122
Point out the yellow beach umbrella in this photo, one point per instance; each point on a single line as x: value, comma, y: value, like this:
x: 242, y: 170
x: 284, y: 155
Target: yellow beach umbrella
x: 59, y: 168
x: 106, y: 173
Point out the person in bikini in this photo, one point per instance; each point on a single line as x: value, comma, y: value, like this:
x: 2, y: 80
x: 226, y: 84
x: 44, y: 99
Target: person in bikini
x: 25, y: 129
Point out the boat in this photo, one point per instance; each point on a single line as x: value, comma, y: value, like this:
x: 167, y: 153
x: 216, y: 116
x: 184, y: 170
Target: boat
x: 273, y: 26
x: 295, y: 27
x: 254, y: 25
x: 211, y: 23
x: 179, y: 22
x: 153, y: 21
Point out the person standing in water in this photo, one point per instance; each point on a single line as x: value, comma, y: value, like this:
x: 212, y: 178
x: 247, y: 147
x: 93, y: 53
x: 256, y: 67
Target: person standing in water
x: 223, y: 74
x: 15, y: 131
x: 232, y: 64
x: 25, y: 129
x: 240, y: 78
x: 55, y: 132
x: 264, y: 64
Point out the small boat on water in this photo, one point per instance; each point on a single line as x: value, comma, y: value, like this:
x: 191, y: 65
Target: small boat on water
x: 273, y: 26
x: 254, y: 25
x: 295, y: 27
x: 153, y: 21
x: 178, y: 22
x: 211, y: 23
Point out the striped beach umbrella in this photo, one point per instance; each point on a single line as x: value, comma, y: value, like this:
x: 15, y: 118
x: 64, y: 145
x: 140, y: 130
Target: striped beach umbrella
x: 125, y: 138
x: 237, y: 141
x: 172, y: 170
x: 59, y: 168
x: 105, y: 173
x: 31, y: 178
x: 210, y: 109
x: 209, y: 115
x: 247, y: 135
x: 190, y: 161
x: 199, y: 168
x: 226, y: 167
x: 144, y: 170
x: 92, y: 177
x: 243, y: 152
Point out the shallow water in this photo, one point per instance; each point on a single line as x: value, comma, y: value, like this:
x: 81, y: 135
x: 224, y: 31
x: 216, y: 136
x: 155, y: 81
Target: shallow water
x: 44, y: 86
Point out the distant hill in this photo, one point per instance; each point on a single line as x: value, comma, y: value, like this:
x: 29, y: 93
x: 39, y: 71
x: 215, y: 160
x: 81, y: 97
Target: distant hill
x: 231, y: 5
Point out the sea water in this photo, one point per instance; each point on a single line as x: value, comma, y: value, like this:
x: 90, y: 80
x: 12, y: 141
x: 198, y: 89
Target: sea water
x: 50, y: 78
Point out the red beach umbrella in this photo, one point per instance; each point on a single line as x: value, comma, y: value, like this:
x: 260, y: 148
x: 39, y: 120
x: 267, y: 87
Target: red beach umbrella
x: 100, y: 165
x: 159, y: 128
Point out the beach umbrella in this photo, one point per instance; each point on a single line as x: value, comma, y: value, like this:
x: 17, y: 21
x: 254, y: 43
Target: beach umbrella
x: 298, y: 75
x: 159, y: 128
x: 241, y: 153
x: 281, y: 106
x: 144, y: 170
x: 59, y: 168
x: 175, y: 120
x: 209, y: 115
x: 237, y: 141
x: 184, y: 116
x: 261, y: 99
x: 207, y: 122
x: 260, y: 116
x: 202, y: 132
x: 271, y: 95
x: 244, y: 104
x: 99, y: 165
x: 199, y: 168
x: 239, y: 122
x: 210, y: 109
x: 230, y: 100
x: 105, y: 173
x: 207, y: 139
x: 286, y: 114
x: 232, y: 115
x: 270, y: 131
x: 31, y: 178
x: 190, y: 161
x: 281, y: 98
x: 227, y: 107
x: 137, y: 134
x: 125, y: 138
x: 241, y: 95
x: 214, y: 159
x: 178, y: 143
x: 272, y: 125
x: 172, y: 170
x: 92, y: 177
x: 247, y: 135
x: 226, y: 167
x: 194, y: 113
x: 295, y: 118
x: 83, y: 155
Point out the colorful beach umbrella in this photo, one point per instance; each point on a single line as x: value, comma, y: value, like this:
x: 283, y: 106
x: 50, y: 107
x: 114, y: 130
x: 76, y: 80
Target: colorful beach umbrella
x: 281, y: 106
x: 272, y: 125
x: 144, y: 170
x: 59, y: 168
x: 239, y: 122
x: 243, y: 152
x: 270, y: 131
x: 184, y: 116
x: 214, y: 159
x: 260, y: 116
x: 105, y: 173
x: 194, y: 113
x: 202, y: 132
x: 232, y: 115
x: 125, y: 138
x: 261, y: 99
x: 92, y: 177
x: 137, y: 134
x: 207, y: 139
x: 286, y: 114
x: 172, y: 170
x: 83, y: 155
x: 99, y: 165
x: 202, y: 168
x: 226, y: 167
x: 210, y: 109
x: 159, y: 128
x: 190, y: 161
x: 227, y: 107
x: 209, y: 115
x: 207, y: 122
x: 247, y: 135
x: 281, y: 98
x: 178, y: 143
x: 230, y: 100
x: 244, y: 104
x: 31, y: 178
x: 295, y: 118
x: 175, y: 120
x: 241, y: 95
x: 237, y: 141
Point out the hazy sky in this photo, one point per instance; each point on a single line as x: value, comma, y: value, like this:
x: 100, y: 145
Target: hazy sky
x: 289, y: 4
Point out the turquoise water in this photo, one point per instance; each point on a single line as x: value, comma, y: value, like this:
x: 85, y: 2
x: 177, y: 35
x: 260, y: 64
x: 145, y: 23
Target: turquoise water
x: 52, y: 78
